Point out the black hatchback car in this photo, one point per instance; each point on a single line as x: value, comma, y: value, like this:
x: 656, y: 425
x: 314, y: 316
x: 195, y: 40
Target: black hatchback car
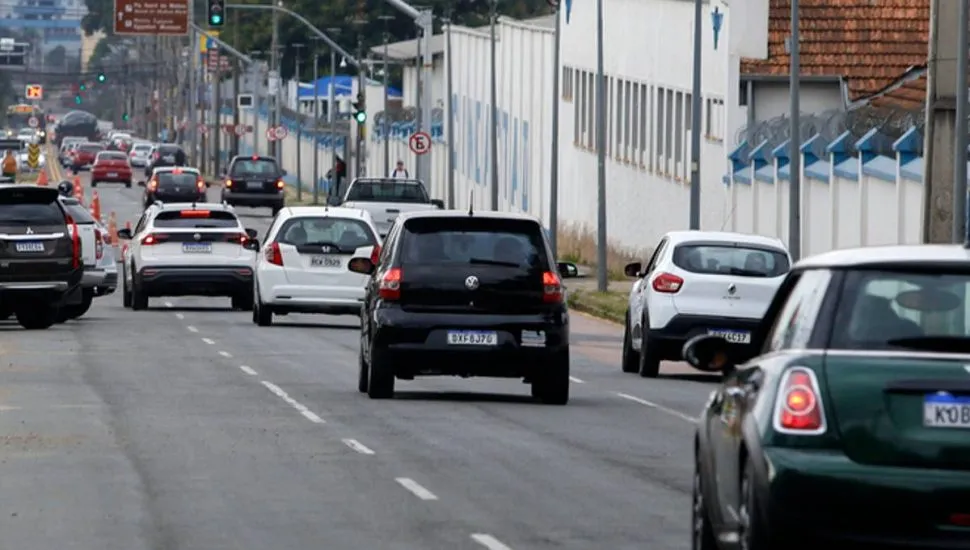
x: 175, y: 184
x: 165, y: 154
x: 255, y: 181
x: 464, y: 294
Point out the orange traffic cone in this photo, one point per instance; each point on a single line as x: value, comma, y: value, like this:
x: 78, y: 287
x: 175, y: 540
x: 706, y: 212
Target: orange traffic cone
x: 96, y: 205
x: 113, y: 229
x: 78, y: 190
x: 42, y: 178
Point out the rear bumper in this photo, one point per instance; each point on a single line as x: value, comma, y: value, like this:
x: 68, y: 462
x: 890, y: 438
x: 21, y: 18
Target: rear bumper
x: 93, y: 276
x: 314, y: 299
x: 672, y: 337
x: 254, y: 199
x: 173, y: 197
x: 103, y: 177
x: 877, y: 506
x: 196, y: 281
x: 109, y: 285
x: 418, y: 343
x: 39, y: 291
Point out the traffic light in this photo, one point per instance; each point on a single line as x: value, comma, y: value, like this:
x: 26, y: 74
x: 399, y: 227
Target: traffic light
x: 360, y: 113
x: 77, y: 99
x: 217, y: 13
x: 82, y: 87
x: 101, y: 77
x: 124, y: 116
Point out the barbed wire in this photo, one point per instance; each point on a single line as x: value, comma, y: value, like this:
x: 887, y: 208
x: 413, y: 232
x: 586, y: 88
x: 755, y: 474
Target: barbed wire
x: 891, y: 122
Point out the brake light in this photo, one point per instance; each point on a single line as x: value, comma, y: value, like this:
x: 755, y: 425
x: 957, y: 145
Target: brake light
x: 375, y: 254
x: 280, y: 184
x: 156, y: 156
x: 667, y: 283
x: 200, y: 184
x: 153, y: 239
x: 98, y: 244
x: 255, y: 157
x: 390, y: 288
x: 195, y: 213
x: 551, y: 288
x: 238, y: 238
x: 798, y: 409
x: 177, y: 171
x: 75, y: 243
x: 273, y: 254
x: 228, y: 183
x: 153, y: 184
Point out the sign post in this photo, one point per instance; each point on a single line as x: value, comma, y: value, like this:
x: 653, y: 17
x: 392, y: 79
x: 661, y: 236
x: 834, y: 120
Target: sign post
x: 420, y: 143
x: 151, y: 17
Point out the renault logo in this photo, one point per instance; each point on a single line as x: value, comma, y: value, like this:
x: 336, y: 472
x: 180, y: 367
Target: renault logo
x: 732, y: 289
x: 471, y: 283
x: 29, y: 231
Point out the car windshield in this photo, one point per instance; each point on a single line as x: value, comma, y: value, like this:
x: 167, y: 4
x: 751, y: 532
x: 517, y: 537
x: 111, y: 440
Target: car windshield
x: 738, y: 259
x: 78, y: 212
x: 478, y: 241
x: 387, y: 191
x: 142, y: 148
x: 171, y: 179
x: 112, y: 156
x: 257, y: 167
x: 348, y: 234
x: 91, y: 148
x: 189, y: 219
x: 888, y: 309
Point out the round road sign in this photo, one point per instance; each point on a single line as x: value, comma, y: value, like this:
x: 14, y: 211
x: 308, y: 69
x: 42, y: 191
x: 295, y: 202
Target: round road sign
x: 280, y: 132
x: 270, y: 133
x: 240, y: 130
x: 419, y: 143
x: 33, y: 122
x: 203, y: 129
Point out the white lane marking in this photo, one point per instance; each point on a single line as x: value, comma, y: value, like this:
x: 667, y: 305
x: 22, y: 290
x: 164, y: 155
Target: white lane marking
x: 575, y: 380
x: 168, y: 304
x: 179, y: 316
x: 358, y: 446
x: 657, y: 406
x: 208, y: 341
x: 225, y: 354
x: 415, y: 488
x: 192, y: 329
x: 310, y: 415
x: 247, y: 370
x: 488, y: 541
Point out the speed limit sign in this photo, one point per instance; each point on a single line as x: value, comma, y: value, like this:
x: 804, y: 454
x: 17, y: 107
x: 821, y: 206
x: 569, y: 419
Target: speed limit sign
x: 419, y: 143
x: 240, y: 130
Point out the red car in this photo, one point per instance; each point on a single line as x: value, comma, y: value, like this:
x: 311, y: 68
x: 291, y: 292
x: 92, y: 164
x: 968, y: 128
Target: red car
x: 83, y: 155
x: 111, y: 166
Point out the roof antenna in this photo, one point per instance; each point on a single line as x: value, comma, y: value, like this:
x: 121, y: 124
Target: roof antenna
x: 471, y: 202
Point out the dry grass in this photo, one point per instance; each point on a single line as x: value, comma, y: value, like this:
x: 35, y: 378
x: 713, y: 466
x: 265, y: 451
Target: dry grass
x: 610, y: 305
x: 577, y: 243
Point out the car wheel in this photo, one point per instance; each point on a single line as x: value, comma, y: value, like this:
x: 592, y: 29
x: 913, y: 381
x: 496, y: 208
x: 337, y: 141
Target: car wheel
x: 551, y: 385
x: 128, y: 184
x: 649, y: 364
x: 629, y: 357
x: 380, y: 377
x: 125, y: 291
x: 242, y: 302
x: 94, y: 183
x: 752, y: 533
x: 78, y: 310
x: 702, y: 534
x: 37, y: 317
x: 139, y: 300
x: 262, y: 315
x: 362, y: 381
x: 5, y: 314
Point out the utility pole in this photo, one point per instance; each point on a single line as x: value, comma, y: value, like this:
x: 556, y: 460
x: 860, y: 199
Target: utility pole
x: 493, y: 99
x: 554, y: 161
x: 216, y: 115
x: 193, y: 90
x: 795, y: 141
x: 960, y: 225
x: 331, y: 117
x: 384, y: 118
x: 257, y: 99
x: 449, y: 110
x: 316, y: 120
x: 235, y: 84
x: 299, y: 128
x: 601, y: 241
x: 695, y: 121
x: 361, y: 101
x: 274, y: 69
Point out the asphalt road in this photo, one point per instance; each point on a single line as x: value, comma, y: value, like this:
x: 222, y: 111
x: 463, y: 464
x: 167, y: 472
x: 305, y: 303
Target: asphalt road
x: 188, y: 427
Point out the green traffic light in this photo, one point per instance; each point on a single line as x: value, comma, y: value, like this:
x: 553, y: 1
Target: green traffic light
x: 77, y: 99
x: 83, y: 87
x: 361, y: 117
x: 215, y: 19
x: 124, y: 116
x: 101, y: 77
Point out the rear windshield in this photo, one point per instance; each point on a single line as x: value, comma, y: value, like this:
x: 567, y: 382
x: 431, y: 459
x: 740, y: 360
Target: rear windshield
x: 19, y: 207
x: 347, y: 234
x: 112, y: 156
x: 387, y: 191
x: 188, y: 219
x: 78, y: 212
x: 477, y: 241
x: 260, y: 167
x: 91, y: 148
x: 142, y: 147
x: 902, y: 309
x: 171, y: 179
x: 731, y: 259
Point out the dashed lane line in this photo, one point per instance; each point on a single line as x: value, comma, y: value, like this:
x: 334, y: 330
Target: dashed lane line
x: 416, y: 489
x: 657, y: 406
x: 248, y: 370
x: 209, y: 341
x: 490, y: 542
x: 225, y: 354
x: 192, y: 329
x: 358, y: 446
x: 575, y: 380
x: 179, y: 316
x: 307, y: 413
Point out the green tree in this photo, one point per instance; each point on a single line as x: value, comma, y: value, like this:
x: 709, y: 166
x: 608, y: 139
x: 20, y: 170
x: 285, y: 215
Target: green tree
x: 56, y: 57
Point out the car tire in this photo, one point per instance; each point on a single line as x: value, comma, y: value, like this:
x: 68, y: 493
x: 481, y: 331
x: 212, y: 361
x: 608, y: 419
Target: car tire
x: 139, y: 301
x: 702, y: 534
x: 94, y: 183
x: 242, y: 302
x: 37, y: 317
x: 649, y: 364
x: 362, y: 379
x: 752, y: 530
x: 128, y: 184
x: 629, y: 358
x: 5, y: 314
x: 551, y: 386
x: 262, y: 315
x: 78, y: 310
x: 380, y: 376
x: 125, y: 291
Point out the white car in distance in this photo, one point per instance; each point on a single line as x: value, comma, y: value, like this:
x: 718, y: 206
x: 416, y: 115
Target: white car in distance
x: 302, y: 266
x: 699, y: 282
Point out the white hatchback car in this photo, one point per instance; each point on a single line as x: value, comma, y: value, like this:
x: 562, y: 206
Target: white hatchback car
x: 699, y: 282
x: 302, y: 267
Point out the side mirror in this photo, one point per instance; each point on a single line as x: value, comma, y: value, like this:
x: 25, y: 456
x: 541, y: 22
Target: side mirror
x: 125, y: 234
x: 708, y: 353
x: 438, y: 203
x: 252, y: 244
x: 361, y: 265
x: 632, y: 269
x: 567, y: 270
x: 283, y: 172
x: 141, y: 183
x: 252, y: 233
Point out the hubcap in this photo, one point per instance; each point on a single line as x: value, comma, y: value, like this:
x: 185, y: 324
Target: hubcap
x: 698, y: 513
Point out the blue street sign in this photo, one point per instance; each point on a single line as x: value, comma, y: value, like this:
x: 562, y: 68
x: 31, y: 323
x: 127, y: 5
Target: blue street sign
x: 717, y: 19
x: 569, y: 9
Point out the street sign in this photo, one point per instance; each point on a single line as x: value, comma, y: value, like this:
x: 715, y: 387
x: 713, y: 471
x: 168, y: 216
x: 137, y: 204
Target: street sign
x: 229, y: 128
x: 280, y: 132
x: 34, y: 91
x: 33, y: 155
x: 151, y: 17
x: 240, y: 130
x: 203, y: 128
x: 7, y: 44
x: 244, y: 101
x: 271, y: 134
x: 419, y: 143
x: 33, y: 122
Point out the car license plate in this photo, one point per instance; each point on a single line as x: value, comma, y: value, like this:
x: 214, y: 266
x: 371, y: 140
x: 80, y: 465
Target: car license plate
x: 732, y: 336
x: 472, y: 338
x: 325, y: 261
x: 30, y: 246
x: 196, y: 248
x: 943, y: 410
x: 254, y: 185
x: 112, y: 174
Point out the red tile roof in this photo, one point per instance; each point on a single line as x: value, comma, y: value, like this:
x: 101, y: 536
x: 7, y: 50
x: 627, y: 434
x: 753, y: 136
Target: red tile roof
x: 911, y: 96
x: 870, y: 43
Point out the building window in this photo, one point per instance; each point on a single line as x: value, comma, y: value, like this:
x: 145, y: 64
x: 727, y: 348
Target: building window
x: 668, y: 131
x: 633, y: 128
x: 645, y: 134
x: 618, y: 115
x: 578, y: 118
x: 627, y: 116
x: 591, y: 110
x: 567, y: 84
x: 678, y: 156
x: 659, y: 145
x: 714, y: 128
x: 582, y: 103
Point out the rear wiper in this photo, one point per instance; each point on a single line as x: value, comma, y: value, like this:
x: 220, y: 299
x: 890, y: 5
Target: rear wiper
x: 933, y: 343
x: 747, y: 272
x: 484, y: 261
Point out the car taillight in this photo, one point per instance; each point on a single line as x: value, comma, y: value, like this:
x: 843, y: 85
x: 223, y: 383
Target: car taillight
x: 228, y: 183
x: 238, y: 238
x: 156, y: 156
x: 75, y: 243
x: 375, y: 254
x: 153, y: 184
x: 667, y: 283
x: 98, y: 244
x: 200, y: 184
x: 153, y: 239
x: 390, y: 288
x: 798, y: 409
x: 273, y: 254
x: 280, y: 184
x: 551, y: 288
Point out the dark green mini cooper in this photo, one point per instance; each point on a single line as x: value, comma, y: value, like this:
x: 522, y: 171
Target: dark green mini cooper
x: 852, y: 427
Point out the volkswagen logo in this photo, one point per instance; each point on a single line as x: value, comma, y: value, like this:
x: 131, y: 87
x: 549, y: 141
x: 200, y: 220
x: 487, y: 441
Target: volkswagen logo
x: 471, y: 283
x: 326, y: 249
x: 732, y: 289
x: 197, y: 236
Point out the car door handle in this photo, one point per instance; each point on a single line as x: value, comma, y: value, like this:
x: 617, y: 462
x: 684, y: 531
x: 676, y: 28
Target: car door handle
x: 392, y: 211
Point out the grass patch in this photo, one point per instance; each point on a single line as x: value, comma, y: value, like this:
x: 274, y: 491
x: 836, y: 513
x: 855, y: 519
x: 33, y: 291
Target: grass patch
x: 28, y: 177
x: 610, y: 305
x: 290, y: 193
x: 577, y: 243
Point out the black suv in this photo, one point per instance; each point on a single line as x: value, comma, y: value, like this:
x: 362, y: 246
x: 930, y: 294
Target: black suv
x: 464, y: 294
x: 40, y: 255
x: 255, y: 181
x: 165, y: 155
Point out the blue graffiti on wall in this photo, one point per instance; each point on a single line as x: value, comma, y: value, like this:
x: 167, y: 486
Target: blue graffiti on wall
x: 471, y: 118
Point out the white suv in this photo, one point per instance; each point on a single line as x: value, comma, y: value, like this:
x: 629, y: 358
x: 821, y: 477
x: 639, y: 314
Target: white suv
x: 188, y: 249
x: 303, y: 266
x: 699, y: 282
